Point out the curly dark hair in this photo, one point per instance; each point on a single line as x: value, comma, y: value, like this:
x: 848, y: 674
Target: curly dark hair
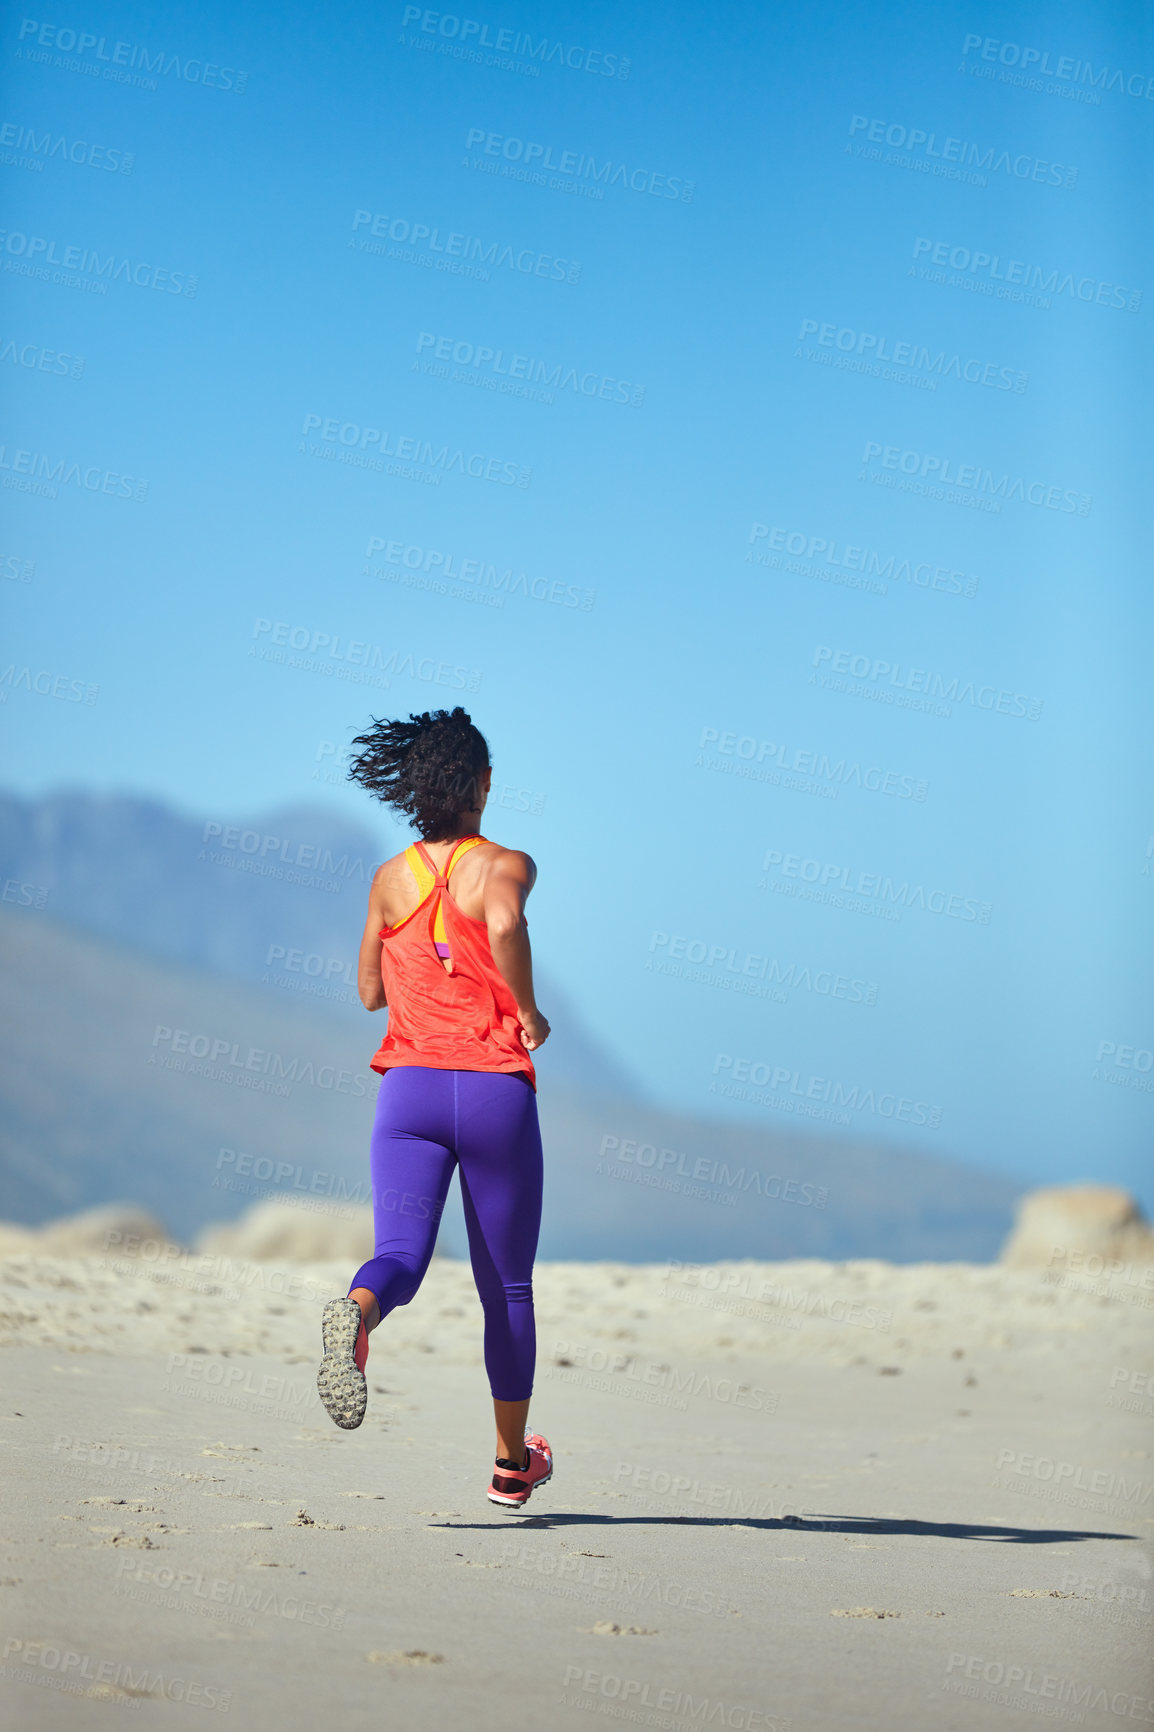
x: 428, y: 768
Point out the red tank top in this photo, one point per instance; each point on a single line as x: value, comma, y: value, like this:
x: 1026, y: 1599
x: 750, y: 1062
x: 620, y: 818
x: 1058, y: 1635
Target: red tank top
x: 459, y: 1017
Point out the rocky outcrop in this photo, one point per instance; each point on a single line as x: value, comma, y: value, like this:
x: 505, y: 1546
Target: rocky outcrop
x: 114, y: 1230
x: 294, y: 1233
x: 1070, y: 1226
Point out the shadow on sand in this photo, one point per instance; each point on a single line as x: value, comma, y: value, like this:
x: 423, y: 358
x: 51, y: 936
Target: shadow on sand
x: 815, y: 1524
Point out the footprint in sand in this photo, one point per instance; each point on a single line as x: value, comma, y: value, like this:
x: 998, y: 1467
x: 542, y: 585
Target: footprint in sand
x: 303, y: 1519
x: 123, y: 1503
x: 874, y: 1612
x: 410, y: 1657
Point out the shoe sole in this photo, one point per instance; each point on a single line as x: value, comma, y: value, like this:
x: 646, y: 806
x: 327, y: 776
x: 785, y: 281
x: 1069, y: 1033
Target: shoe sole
x: 504, y: 1501
x: 340, y: 1385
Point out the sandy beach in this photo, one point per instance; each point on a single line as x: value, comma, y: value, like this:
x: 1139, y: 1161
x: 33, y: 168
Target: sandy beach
x: 792, y: 1494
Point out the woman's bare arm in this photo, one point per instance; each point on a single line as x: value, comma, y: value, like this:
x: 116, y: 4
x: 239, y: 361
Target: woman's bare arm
x: 506, y: 890
x: 369, y: 983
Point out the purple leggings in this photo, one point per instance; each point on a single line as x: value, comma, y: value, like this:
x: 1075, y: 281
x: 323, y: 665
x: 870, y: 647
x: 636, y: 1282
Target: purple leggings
x: 428, y: 1122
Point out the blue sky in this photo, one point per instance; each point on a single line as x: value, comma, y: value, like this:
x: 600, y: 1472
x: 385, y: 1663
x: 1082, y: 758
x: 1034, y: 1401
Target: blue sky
x: 795, y: 319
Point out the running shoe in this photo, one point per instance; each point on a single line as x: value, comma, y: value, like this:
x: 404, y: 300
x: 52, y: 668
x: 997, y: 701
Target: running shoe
x: 512, y: 1487
x: 341, y: 1376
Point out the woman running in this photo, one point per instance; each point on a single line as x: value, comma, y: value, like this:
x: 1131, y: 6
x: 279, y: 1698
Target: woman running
x: 446, y: 949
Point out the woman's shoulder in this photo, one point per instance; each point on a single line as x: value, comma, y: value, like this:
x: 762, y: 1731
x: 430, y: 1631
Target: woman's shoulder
x: 512, y: 861
x: 394, y: 864
x: 392, y: 873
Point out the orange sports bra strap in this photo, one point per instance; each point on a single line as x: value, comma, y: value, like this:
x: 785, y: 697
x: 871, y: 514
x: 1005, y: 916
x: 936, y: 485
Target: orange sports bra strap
x: 422, y: 868
x: 421, y: 852
x: 462, y: 848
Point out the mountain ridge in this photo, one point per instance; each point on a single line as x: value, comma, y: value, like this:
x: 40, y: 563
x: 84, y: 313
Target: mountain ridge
x: 135, y: 1078
x: 293, y: 881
